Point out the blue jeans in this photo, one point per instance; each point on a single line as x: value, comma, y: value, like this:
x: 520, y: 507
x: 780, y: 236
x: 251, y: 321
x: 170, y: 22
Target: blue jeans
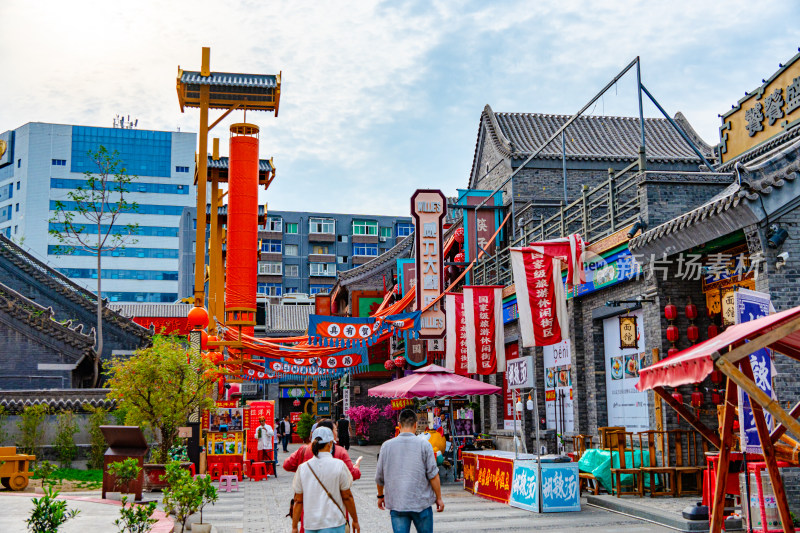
x: 285, y: 442
x: 339, y: 529
x: 423, y: 521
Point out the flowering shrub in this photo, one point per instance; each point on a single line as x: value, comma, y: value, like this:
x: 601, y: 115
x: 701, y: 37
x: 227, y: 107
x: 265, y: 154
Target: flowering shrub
x: 390, y: 414
x: 362, y: 417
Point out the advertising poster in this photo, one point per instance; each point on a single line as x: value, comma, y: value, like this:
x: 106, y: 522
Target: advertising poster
x: 493, y: 478
x: 558, y: 387
x: 750, y: 305
x: 257, y: 409
x: 626, y: 406
x: 225, y: 443
x: 225, y: 419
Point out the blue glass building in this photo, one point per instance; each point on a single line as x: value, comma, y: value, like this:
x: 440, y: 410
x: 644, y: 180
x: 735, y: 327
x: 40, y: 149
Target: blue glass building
x: 42, y: 163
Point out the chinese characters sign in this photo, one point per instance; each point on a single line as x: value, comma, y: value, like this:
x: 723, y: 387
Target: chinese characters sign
x: 520, y: 373
x: 765, y: 112
x: 456, y: 345
x: 428, y: 207
x: 541, y: 299
x: 483, y: 311
x: 480, y: 224
x: 558, y: 400
x: 627, y: 332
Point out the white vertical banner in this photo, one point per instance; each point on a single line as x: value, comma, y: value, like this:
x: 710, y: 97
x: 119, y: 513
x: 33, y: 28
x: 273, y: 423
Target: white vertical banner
x: 626, y: 405
x: 483, y: 310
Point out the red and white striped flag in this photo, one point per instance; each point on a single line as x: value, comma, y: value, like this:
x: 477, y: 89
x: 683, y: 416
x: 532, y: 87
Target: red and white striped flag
x: 569, y: 251
x: 483, y: 309
x: 456, y: 323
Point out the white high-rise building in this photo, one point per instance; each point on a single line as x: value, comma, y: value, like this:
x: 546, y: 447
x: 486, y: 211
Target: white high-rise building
x: 40, y: 163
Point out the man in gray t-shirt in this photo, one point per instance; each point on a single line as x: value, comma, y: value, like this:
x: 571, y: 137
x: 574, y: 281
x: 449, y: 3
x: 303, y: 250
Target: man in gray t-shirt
x: 408, y: 474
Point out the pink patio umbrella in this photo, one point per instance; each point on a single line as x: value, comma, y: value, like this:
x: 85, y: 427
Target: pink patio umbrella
x: 432, y: 381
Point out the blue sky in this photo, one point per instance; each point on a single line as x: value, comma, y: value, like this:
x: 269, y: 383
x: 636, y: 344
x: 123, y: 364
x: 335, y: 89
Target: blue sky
x: 382, y: 98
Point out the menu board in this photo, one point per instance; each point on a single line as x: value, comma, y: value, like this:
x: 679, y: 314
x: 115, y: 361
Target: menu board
x: 225, y: 443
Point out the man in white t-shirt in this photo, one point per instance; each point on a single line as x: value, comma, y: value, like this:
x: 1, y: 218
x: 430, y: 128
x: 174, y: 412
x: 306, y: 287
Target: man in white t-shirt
x: 314, y: 481
x: 264, y: 434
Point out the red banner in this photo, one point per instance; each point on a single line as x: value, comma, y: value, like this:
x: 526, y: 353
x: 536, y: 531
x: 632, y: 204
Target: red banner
x: 265, y: 408
x: 541, y: 298
x: 483, y: 310
x: 456, y: 350
x: 493, y: 477
x: 470, y: 467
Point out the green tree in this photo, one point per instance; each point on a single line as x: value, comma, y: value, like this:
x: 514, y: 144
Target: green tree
x: 90, y: 222
x: 304, y: 426
x: 31, y: 428
x: 97, y: 443
x: 3, y: 420
x: 64, y: 443
x: 159, y: 388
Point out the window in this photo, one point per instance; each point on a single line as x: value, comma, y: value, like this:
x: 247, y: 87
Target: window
x: 16, y: 208
x: 19, y: 163
x: 271, y: 246
x: 370, y: 250
x: 145, y: 231
x: 342, y: 259
x: 161, y: 188
x: 322, y: 269
x: 404, y: 229
x: 341, y: 238
x: 274, y: 224
x: 320, y: 249
x: 143, y: 152
x: 6, y: 192
x: 17, y: 185
x: 143, y: 209
x: 321, y: 225
x: 291, y: 290
x: 386, y: 232
x: 166, y: 253
x: 365, y: 227
x: 267, y: 268
x: 59, y: 162
x: 291, y: 227
x: 291, y: 249
x: 293, y: 271
x: 269, y: 289
x: 15, y: 230
x: 319, y: 289
x: 182, y: 169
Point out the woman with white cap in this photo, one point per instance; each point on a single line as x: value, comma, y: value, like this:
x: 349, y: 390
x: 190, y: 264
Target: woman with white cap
x: 322, y: 490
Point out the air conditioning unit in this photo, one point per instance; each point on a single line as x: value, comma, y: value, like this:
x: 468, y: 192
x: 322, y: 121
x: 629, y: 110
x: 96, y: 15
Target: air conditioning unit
x: 383, y: 239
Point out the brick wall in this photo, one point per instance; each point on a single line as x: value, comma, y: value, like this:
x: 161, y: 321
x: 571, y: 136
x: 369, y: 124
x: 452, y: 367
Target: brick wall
x: 383, y: 429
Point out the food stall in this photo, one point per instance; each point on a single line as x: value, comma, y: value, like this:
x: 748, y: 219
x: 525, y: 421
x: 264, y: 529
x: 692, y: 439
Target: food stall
x: 230, y: 434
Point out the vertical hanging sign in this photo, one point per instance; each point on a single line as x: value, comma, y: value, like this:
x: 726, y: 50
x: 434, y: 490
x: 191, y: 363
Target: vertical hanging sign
x: 456, y: 345
x: 428, y: 207
x: 483, y: 309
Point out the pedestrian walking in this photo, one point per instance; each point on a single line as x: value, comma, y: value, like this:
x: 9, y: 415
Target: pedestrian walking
x: 343, y: 427
x: 264, y: 434
x: 286, y: 432
x: 305, y: 453
x: 322, y: 490
x: 408, y: 479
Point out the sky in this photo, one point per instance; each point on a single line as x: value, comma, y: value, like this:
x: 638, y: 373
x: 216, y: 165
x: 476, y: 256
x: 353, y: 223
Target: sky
x: 380, y: 98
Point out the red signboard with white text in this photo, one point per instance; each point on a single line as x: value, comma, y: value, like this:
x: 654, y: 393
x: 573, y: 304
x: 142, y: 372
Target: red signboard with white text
x: 483, y: 310
x: 456, y: 350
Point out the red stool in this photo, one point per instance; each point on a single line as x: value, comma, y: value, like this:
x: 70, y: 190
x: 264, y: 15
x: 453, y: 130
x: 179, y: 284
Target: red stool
x: 258, y: 471
x: 215, y: 470
x: 235, y: 469
x: 246, y: 467
x: 192, y: 469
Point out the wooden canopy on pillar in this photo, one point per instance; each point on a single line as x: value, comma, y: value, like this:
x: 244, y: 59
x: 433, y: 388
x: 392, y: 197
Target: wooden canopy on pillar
x: 728, y: 352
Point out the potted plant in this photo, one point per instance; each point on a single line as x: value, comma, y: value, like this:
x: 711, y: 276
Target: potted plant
x: 158, y: 388
x: 304, y: 426
x: 183, y: 497
x: 49, y: 513
x: 135, y: 518
x: 124, y: 473
x: 208, y: 494
x: 362, y: 417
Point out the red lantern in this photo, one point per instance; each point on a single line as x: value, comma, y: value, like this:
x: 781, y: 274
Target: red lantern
x: 713, y: 331
x: 215, y: 357
x: 399, y: 361
x: 693, y: 333
x: 697, y: 398
x: 672, y: 351
x: 672, y: 333
x: 716, y: 377
x: 670, y: 312
x: 678, y: 397
x: 197, y: 318
x: 203, y: 340
x: 459, y: 257
x: 388, y: 364
x: 716, y: 397
x: 213, y: 338
x: 691, y: 311
x: 459, y: 235
x: 296, y: 403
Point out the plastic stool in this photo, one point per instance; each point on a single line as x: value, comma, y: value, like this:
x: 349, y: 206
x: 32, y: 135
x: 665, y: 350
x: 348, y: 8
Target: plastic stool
x: 258, y: 471
x: 215, y: 470
x: 228, y: 482
x: 246, y: 467
x: 235, y: 469
x: 192, y: 469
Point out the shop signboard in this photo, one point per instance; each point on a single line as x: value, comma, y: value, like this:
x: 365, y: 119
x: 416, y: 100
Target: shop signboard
x: 525, y: 487
x: 493, y: 477
x: 558, y: 387
x: 480, y: 224
x: 470, y: 463
x: 751, y: 305
x: 407, y: 273
x: 626, y: 406
x: 323, y: 408
x: 520, y: 373
x: 512, y: 352
x: 560, y: 487
x: 428, y: 208
x: 602, y: 272
x: 257, y: 410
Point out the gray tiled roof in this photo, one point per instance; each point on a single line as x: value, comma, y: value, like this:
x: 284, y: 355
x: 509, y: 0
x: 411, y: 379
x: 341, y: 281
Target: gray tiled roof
x: 288, y: 318
x: 264, y: 165
x: 56, y: 399
x: 225, y: 79
x: 152, y: 310
x: 387, y: 258
x: 591, y: 137
x: 730, y: 198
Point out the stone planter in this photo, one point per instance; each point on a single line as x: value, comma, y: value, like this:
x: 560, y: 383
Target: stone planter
x: 154, y: 476
x: 201, y: 528
x: 114, y: 496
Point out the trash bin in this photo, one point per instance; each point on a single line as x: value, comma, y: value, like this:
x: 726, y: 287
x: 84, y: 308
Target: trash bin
x: 770, y: 502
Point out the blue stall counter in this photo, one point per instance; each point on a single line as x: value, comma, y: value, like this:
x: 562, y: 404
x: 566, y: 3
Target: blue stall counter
x: 557, y: 491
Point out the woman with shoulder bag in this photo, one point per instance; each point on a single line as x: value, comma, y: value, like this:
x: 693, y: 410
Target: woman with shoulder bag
x: 322, y: 490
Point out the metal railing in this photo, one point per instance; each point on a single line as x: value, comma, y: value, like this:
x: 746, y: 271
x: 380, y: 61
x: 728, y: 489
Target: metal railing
x: 597, y: 213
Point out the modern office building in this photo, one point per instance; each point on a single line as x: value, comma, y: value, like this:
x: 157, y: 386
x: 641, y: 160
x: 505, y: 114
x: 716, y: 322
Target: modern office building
x: 301, y: 252
x: 40, y: 163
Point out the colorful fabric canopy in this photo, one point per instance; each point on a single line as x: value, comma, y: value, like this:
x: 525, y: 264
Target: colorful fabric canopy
x: 433, y: 381
x: 696, y: 363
